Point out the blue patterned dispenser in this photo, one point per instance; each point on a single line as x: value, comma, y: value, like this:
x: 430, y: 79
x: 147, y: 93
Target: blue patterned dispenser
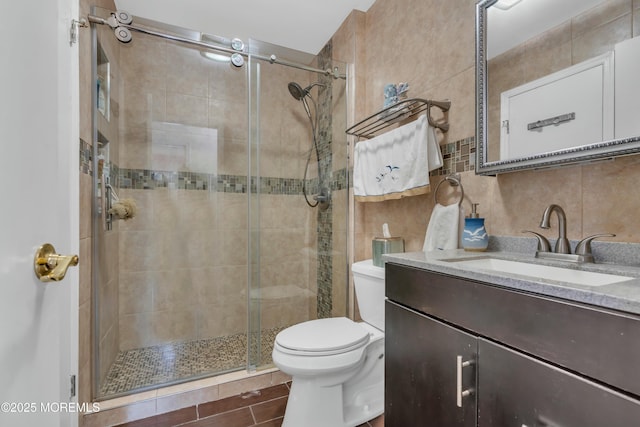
x: 474, y: 235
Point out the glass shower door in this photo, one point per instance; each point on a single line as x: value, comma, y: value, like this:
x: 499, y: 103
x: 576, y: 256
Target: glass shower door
x: 298, y: 254
x: 171, y: 282
x: 223, y: 250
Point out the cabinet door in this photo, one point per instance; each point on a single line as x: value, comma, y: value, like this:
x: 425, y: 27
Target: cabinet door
x: 421, y: 371
x: 565, y: 109
x: 520, y: 391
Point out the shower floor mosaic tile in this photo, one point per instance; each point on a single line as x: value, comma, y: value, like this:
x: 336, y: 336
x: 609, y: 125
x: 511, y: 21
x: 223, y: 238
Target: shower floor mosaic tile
x: 145, y: 367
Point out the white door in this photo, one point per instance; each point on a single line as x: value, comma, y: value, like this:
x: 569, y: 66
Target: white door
x: 39, y: 204
x: 562, y: 110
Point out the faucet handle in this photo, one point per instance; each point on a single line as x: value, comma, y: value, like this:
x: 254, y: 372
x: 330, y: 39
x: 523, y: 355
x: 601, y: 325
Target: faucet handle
x: 543, y: 243
x: 584, y: 246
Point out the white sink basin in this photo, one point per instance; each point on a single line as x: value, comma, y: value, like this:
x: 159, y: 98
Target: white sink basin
x: 578, y: 277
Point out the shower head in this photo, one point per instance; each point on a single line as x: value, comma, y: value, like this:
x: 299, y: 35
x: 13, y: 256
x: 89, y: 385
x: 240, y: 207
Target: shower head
x: 298, y: 93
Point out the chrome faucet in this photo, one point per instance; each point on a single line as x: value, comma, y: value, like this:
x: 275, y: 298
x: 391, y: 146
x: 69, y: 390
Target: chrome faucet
x: 562, y: 250
x: 562, y: 244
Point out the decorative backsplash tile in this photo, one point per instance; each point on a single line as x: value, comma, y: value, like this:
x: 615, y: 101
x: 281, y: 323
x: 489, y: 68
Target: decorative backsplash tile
x: 86, y: 158
x: 457, y: 156
x: 145, y: 179
x: 324, y: 244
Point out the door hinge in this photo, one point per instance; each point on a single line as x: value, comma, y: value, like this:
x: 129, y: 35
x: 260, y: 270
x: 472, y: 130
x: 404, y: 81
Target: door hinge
x: 73, y: 30
x: 505, y: 124
x: 73, y: 386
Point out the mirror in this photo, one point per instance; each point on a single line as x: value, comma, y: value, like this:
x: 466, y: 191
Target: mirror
x: 556, y: 82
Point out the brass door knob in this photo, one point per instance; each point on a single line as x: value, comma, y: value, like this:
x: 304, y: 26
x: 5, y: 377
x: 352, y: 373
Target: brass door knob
x: 50, y: 266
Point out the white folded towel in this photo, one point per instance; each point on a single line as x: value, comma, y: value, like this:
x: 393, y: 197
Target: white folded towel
x: 397, y: 163
x: 443, y: 228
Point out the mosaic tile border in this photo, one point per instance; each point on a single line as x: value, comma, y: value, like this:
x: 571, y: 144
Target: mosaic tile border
x: 146, y: 179
x: 86, y: 157
x: 324, y: 244
x: 457, y: 156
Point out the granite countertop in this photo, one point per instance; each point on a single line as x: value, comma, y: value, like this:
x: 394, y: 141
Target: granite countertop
x: 623, y: 296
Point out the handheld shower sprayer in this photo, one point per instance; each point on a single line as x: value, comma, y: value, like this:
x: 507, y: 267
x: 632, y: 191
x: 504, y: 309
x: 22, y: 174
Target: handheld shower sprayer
x: 300, y: 94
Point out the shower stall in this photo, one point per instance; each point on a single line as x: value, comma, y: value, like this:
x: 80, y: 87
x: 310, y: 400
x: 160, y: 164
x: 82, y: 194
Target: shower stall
x: 239, y: 192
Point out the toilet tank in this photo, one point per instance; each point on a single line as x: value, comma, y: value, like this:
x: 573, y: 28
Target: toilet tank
x: 368, y: 281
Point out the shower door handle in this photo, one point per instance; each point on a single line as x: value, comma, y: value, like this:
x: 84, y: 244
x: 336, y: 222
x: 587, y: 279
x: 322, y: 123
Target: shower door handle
x: 50, y: 266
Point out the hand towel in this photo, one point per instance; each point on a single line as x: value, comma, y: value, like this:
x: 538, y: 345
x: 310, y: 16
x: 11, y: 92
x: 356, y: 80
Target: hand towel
x: 443, y: 228
x: 397, y: 163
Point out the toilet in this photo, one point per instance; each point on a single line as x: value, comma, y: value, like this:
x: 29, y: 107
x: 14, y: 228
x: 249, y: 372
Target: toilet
x: 336, y: 364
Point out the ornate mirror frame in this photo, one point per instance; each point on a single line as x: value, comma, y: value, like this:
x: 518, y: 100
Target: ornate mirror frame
x: 578, y: 154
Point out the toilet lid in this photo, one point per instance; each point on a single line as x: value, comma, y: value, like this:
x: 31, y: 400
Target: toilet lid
x: 326, y: 336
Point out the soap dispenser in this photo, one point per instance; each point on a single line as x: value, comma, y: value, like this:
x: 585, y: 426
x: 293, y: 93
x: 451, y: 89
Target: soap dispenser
x: 474, y: 235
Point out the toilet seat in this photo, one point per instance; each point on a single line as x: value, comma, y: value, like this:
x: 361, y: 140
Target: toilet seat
x: 322, y: 337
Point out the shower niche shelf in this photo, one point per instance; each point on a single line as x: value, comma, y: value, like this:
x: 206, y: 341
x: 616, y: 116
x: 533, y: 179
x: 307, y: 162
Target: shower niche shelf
x: 398, y: 112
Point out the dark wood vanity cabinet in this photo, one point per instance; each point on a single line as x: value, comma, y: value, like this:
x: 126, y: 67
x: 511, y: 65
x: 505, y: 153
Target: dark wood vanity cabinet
x: 456, y: 357
x: 518, y: 390
x: 420, y: 359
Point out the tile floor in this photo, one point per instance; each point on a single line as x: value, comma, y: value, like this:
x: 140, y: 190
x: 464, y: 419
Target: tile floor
x: 260, y: 408
x: 150, y: 366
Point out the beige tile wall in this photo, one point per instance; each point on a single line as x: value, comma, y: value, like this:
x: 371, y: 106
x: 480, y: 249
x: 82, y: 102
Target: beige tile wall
x: 288, y: 260
x: 181, y: 272
x: 184, y: 258
x: 285, y: 130
x: 432, y: 48
x: 183, y: 267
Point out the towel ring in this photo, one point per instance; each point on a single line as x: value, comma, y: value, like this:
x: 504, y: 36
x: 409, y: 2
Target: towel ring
x: 453, y: 181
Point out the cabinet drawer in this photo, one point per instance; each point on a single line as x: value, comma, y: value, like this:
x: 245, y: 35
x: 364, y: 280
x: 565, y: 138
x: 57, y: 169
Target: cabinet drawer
x: 517, y: 390
x: 597, y: 343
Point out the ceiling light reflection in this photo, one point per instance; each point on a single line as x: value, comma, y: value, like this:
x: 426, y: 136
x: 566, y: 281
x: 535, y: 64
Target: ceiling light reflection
x: 217, y: 56
x: 506, y: 4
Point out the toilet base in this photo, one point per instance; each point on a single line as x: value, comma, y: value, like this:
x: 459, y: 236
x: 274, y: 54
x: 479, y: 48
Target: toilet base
x: 322, y: 402
x: 327, y: 407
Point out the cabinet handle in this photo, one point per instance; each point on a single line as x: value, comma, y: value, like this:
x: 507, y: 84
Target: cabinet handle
x: 459, y: 392
x: 551, y: 121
